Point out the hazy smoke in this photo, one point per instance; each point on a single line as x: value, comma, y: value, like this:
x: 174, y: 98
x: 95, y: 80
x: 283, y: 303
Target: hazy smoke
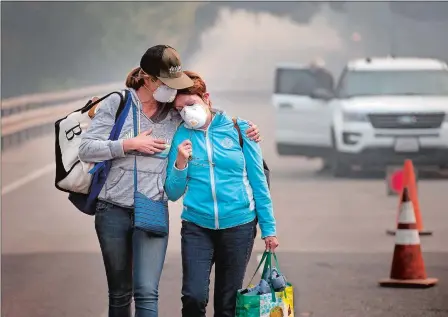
x: 235, y: 45
x: 241, y: 50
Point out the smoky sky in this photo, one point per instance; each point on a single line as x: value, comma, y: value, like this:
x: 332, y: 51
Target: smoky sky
x: 241, y: 49
x: 234, y: 45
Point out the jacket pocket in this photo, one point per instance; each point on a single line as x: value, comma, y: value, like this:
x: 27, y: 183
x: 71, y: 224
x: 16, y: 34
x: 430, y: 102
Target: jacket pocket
x: 245, y: 195
x: 198, y: 165
x: 114, y: 177
x: 199, y: 169
x: 120, y: 187
x: 232, y: 197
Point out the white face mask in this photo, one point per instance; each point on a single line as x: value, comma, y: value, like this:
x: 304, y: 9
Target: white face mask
x: 164, y: 94
x: 195, y: 116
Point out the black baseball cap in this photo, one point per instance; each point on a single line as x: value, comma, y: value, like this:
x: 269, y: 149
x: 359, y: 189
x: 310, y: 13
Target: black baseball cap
x: 163, y: 62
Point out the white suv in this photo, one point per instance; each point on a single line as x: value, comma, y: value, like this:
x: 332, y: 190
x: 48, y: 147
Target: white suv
x: 384, y: 111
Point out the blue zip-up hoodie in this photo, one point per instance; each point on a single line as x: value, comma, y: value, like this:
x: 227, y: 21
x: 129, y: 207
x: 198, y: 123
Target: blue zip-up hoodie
x: 223, y: 184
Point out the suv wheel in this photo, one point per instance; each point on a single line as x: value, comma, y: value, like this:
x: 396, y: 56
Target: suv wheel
x: 338, y: 167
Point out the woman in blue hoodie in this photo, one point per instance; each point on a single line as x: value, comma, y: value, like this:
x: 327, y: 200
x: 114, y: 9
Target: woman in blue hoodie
x: 225, y: 195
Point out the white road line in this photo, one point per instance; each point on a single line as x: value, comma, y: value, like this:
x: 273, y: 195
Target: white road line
x: 28, y: 178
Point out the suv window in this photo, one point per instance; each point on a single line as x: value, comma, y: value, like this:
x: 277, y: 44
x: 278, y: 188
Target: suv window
x: 394, y: 82
x: 302, y: 81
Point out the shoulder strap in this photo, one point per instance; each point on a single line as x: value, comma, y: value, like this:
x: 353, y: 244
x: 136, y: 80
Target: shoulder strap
x: 120, y: 117
x: 90, y: 104
x: 237, y: 127
x: 122, y: 102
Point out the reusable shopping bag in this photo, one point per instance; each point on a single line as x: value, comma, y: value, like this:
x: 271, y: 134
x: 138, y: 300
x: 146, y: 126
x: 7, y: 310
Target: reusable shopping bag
x: 271, y: 303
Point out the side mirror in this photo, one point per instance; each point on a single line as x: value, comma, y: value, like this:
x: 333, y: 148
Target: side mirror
x: 323, y: 94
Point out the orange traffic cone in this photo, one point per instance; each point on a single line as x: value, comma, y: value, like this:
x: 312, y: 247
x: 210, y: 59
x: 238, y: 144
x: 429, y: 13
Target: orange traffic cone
x: 409, y: 182
x: 408, y: 268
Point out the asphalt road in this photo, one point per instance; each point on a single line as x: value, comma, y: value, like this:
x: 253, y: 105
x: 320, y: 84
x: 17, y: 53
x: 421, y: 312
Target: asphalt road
x: 332, y: 233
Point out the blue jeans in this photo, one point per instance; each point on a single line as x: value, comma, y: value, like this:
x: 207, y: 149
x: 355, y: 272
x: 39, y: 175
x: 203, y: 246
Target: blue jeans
x: 229, y: 250
x: 133, y: 261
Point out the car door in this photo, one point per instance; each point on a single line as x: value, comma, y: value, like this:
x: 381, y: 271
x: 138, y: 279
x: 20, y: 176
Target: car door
x: 301, y: 120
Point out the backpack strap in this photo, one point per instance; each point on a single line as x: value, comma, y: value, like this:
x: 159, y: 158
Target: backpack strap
x: 114, y: 133
x: 123, y: 97
x: 237, y: 127
x: 122, y: 102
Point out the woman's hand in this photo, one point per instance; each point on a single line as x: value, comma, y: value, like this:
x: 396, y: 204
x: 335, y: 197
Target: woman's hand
x: 184, y: 151
x: 253, y: 133
x: 144, y: 143
x: 271, y: 243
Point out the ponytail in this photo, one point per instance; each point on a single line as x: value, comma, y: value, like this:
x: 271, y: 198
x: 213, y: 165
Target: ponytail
x: 135, y: 79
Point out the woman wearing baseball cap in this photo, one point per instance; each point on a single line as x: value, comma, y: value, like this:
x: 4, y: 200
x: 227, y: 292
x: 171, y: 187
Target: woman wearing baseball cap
x: 134, y: 259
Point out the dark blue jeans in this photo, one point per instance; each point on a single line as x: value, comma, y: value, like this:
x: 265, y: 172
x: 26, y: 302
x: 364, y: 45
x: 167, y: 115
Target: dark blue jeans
x: 229, y: 250
x: 133, y: 261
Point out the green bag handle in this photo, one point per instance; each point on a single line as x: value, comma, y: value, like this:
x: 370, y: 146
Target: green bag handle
x: 263, y: 258
x: 268, y: 265
x: 276, y: 263
x: 278, y: 269
x: 266, y: 258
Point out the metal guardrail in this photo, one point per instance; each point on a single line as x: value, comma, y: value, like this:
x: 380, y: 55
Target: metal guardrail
x: 30, y: 116
x: 19, y: 104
